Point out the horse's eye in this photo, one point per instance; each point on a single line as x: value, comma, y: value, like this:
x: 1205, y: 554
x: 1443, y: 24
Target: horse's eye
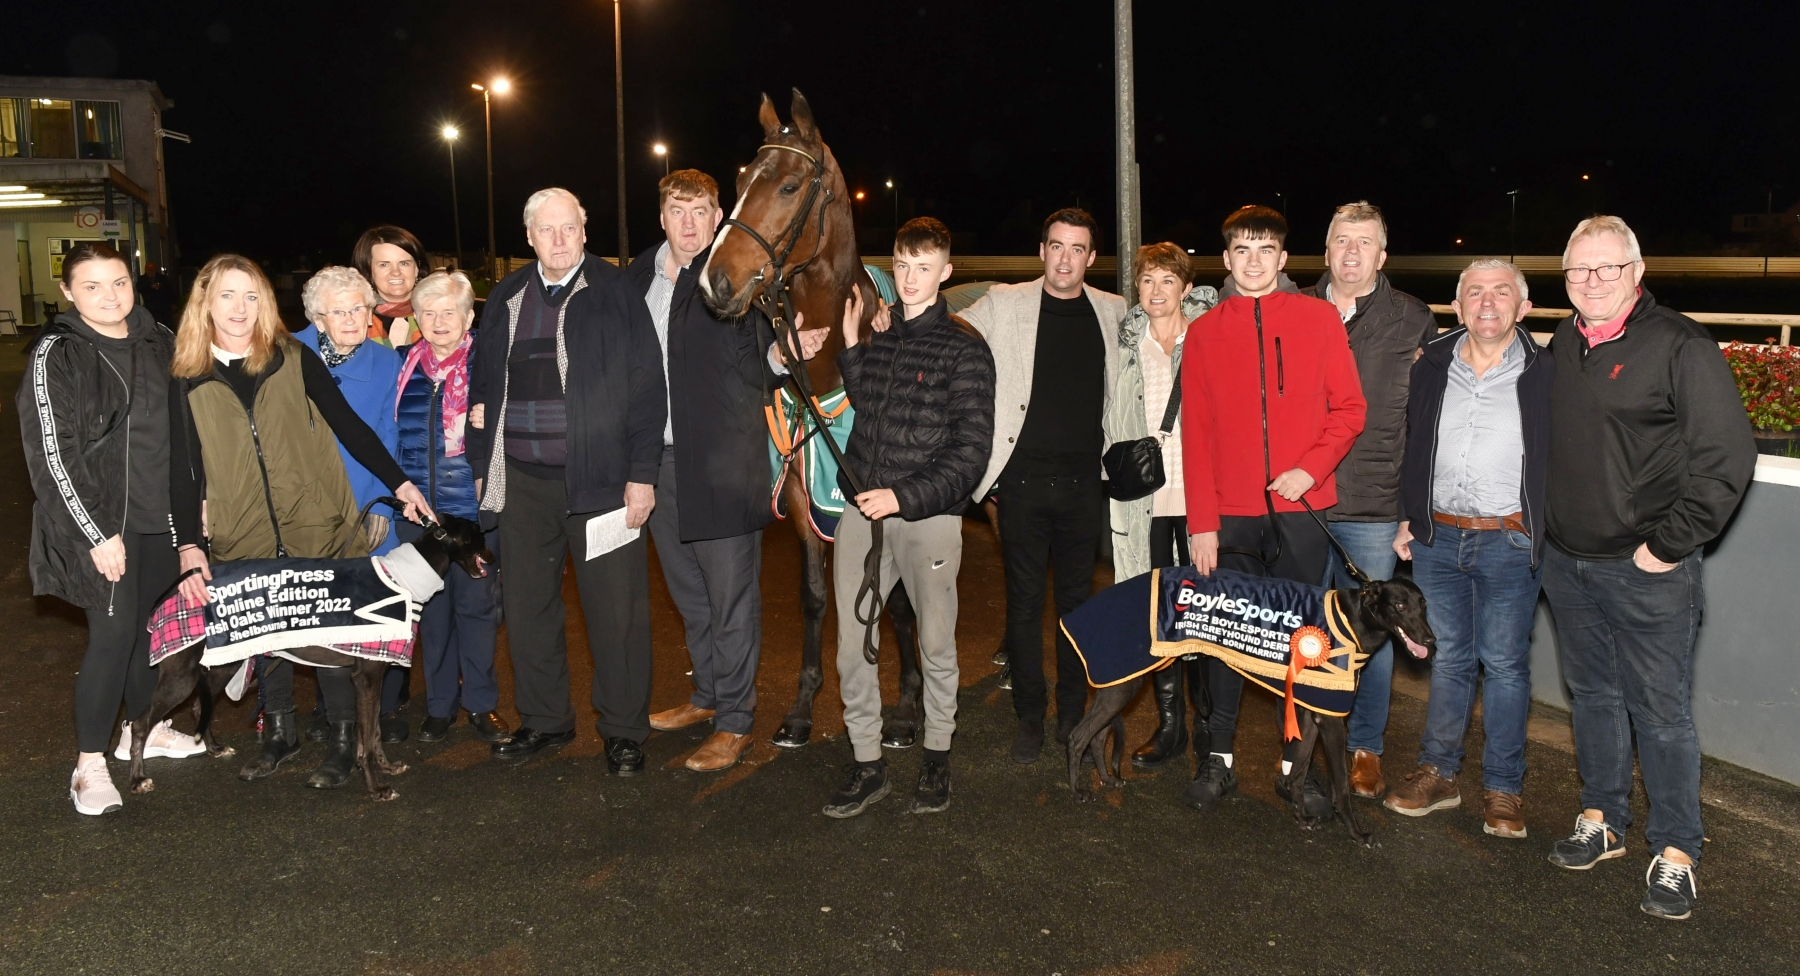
x: 790, y: 188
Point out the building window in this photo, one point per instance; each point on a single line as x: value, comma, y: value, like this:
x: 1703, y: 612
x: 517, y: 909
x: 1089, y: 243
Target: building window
x: 52, y: 128
x: 13, y: 141
x: 97, y: 130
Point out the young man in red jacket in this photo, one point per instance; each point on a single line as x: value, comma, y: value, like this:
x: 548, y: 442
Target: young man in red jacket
x: 1270, y: 404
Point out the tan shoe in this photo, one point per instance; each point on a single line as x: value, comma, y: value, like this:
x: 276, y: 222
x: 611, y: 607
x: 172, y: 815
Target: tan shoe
x: 1423, y: 792
x: 1365, y: 775
x: 679, y: 718
x: 1505, y: 815
x: 721, y: 750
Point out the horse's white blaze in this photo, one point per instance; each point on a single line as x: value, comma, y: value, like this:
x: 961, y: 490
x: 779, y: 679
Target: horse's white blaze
x: 705, y: 275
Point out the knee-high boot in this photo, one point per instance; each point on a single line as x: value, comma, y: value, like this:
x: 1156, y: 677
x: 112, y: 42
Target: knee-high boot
x: 1170, y: 738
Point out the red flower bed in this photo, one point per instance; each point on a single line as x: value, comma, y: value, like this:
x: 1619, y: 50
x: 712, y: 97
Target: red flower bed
x: 1768, y: 376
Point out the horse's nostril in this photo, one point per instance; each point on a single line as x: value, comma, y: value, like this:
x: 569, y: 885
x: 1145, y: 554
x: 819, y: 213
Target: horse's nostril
x: 721, y: 284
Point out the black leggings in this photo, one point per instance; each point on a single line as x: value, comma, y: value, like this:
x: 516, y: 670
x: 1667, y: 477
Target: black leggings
x: 1169, y: 541
x: 335, y: 686
x: 117, y: 663
x: 1303, y: 551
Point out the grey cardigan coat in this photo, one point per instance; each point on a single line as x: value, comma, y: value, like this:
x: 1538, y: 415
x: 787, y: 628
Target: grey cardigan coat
x: 1126, y: 421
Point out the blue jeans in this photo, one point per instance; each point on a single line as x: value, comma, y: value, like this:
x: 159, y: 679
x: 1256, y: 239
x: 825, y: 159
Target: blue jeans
x: 1480, y: 598
x: 1371, y: 544
x: 1627, y: 641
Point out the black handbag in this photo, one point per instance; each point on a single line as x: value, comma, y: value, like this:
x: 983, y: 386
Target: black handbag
x: 1134, y: 469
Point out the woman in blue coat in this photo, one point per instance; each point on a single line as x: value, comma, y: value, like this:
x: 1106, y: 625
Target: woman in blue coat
x: 339, y: 303
x: 458, y: 626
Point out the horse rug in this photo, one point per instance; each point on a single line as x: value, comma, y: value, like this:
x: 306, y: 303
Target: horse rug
x: 364, y: 608
x: 1290, y: 638
x: 791, y: 429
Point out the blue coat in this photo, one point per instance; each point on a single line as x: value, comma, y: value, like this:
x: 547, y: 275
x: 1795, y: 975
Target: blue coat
x: 448, y: 482
x: 368, y: 379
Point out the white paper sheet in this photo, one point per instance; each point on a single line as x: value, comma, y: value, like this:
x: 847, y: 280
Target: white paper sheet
x: 608, y: 532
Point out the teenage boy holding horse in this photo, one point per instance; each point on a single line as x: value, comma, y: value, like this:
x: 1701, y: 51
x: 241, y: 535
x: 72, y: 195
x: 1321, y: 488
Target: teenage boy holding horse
x: 1270, y: 404
x: 924, y: 396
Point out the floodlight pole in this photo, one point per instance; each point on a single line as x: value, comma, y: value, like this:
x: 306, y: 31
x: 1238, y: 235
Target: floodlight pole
x: 619, y: 114
x: 1129, y: 230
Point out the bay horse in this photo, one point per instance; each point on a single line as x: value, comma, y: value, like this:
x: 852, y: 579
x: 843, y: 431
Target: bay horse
x: 793, y: 224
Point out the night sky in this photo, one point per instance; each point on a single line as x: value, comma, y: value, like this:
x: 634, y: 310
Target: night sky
x: 314, y: 120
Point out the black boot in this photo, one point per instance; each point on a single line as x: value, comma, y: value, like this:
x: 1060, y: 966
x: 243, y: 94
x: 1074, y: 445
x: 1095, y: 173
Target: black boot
x: 280, y: 741
x: 1170, y: 739
x: 340, y: 758
x: 318, y: 728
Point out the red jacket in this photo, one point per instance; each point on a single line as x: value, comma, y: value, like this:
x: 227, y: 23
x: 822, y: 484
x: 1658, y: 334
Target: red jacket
x: 1314, y: 404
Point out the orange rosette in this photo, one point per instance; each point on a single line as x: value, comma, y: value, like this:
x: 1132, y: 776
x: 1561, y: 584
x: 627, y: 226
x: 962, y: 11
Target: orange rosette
x: 1309, y: 647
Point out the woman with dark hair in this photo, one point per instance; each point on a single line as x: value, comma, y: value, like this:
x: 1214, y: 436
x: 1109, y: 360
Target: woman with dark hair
x: 94, y: 416
x: 258, y: 421
x: 392, y: 259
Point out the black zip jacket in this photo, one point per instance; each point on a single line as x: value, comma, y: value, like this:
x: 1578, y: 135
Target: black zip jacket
x: 718, y: 375
x: 1649, y: 440
x: 1425, y: 404
x: 924, y: 398
x: 613, y: 387
x: 1386, y: 333
x: 73, y: 408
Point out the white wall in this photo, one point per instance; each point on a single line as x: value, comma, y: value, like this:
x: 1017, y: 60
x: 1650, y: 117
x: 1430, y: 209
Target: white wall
x: 9, y: 270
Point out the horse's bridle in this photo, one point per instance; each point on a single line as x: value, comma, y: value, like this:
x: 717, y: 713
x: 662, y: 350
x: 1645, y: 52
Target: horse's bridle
x: 776, y: 304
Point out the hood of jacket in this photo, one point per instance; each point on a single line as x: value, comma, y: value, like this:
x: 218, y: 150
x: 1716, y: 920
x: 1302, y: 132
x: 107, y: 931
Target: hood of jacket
x: 139, y: 324
x: 1197, y: 302
x: 1282, y: 283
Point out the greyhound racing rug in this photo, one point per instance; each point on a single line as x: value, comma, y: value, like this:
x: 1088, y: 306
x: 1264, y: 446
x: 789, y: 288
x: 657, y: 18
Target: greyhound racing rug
x: 358, y: 607
x: 793, y: 430
x: 1290, y: 638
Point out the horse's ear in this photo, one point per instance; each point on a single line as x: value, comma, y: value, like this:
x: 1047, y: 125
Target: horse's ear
x: 803, y: 118
x: 771, y: 122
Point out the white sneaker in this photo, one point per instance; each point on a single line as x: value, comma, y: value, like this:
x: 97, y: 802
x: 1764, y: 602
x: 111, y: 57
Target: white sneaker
x: 162, y: 743
x: 92, y: 788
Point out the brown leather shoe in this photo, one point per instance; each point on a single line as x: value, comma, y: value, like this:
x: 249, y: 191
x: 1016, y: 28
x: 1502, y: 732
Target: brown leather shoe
x: 1365, y: 775
x: 1423, y: 792
x: 1505, y: 815
x: 679, y: 718
x: 721, y: 750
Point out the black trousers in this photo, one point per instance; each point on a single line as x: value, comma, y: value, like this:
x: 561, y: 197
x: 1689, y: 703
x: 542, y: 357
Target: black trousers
x: 1303, y: 550
x: 336, y: 688
x: 1047, y: 523
x: 117, y: 662
x: 538, y: 535
x: 1169, y: 542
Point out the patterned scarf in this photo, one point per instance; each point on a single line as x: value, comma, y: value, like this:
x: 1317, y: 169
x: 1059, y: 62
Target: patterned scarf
x: 453, y: 373
x: 379, y: 330
x: 328, y: 351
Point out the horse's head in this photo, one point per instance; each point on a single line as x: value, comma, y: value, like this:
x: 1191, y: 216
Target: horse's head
x: 775, y: 226
x: 1396, y: 607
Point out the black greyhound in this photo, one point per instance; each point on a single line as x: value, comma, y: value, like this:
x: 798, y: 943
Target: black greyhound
x: 451, y: 540
x: 1381, y: 608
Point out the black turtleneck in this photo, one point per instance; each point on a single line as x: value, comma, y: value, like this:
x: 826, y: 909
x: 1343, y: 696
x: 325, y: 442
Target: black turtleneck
x: 1068, y: 378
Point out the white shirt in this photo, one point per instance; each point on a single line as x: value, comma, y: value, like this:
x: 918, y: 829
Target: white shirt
x: 659, y: 298
x: 1159, y: 381
x: 1344, y: 313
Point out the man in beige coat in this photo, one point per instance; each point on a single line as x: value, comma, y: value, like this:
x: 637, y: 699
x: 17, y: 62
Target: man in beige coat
x: 1056, y: 358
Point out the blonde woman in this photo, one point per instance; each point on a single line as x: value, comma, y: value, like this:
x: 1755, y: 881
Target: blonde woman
x: 255, y: 456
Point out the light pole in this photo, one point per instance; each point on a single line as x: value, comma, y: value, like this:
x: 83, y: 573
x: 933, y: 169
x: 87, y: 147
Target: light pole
x: 499, y: 86
x: 1512, y: 231
x: 662, y: 151
x: 1130, y: 216
x: 450, y: 132
x: 892, y: 192
x: 619, y: 113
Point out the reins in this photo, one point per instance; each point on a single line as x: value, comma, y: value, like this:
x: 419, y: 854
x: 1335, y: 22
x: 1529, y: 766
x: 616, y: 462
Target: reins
x: 775, y: 302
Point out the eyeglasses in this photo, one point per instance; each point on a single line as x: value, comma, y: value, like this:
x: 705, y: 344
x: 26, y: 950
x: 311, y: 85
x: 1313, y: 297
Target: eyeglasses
x: 1605, y: 272
x: 355, y: 312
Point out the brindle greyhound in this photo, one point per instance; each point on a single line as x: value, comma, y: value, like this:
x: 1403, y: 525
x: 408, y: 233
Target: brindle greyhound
x: 452, y: 540
x: 784, y: 228
x: 1378, y: 609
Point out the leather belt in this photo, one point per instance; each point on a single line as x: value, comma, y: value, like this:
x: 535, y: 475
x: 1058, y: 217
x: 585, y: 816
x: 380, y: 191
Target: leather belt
x: 1486, y: 524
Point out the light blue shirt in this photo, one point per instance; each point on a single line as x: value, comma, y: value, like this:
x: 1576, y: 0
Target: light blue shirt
x: 1481, y: 442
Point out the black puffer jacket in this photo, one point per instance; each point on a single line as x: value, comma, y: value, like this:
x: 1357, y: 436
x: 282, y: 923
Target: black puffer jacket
x: 924, y: 398
x: 1386, y: 334
x: 72, y: 418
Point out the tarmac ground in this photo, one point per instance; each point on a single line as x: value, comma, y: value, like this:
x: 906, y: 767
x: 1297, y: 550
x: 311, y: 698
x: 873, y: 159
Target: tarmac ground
x: 552, y: 866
